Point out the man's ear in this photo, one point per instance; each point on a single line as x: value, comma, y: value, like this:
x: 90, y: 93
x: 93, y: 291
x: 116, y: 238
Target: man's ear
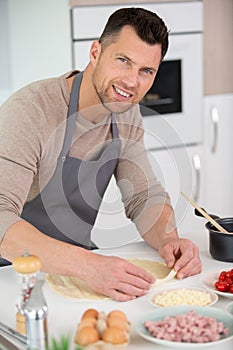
x: 95, y: 51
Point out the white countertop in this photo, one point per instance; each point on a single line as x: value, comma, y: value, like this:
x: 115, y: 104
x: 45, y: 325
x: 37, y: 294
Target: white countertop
x: 64, y: 314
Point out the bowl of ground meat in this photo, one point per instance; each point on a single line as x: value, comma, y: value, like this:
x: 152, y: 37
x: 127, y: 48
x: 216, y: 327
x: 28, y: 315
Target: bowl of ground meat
x: 187, y: 326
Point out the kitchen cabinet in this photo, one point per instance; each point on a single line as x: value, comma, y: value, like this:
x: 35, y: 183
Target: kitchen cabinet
x: 218, y: 147
x: 116, y: 2
x: 218, y: 106
x: 178, y: 169
x: 181, y: 170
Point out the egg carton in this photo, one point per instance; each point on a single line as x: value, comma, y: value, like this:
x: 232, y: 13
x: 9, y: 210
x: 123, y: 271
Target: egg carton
x: 101, y: 345
x: 100, y: 323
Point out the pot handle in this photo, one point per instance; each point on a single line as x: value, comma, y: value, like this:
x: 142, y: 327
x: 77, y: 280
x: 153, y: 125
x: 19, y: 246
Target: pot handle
x: 197, y: 213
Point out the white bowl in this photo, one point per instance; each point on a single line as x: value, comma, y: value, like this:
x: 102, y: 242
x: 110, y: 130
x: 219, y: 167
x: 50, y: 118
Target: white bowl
x: 189, y: 300
x: 209, y: 283
x: 229, y: 307
x: 157, y: 315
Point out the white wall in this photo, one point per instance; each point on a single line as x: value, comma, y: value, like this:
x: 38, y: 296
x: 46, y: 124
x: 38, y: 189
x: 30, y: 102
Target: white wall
x: 39, y: 39
x: 5, y: 73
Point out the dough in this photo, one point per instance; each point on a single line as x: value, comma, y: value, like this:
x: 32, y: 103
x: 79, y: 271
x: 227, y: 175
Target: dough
x: 74, y: 287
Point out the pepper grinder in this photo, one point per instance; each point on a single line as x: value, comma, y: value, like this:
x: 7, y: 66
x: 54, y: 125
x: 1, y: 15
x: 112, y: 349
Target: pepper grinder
x: 36, y: 315
x: 27, y: 267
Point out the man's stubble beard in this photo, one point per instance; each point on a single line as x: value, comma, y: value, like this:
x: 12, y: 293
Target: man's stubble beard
x: 112, y: 107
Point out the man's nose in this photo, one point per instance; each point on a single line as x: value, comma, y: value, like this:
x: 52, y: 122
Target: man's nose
x: 132, y: 77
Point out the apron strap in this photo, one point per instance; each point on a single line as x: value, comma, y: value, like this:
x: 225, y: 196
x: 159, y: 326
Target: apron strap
x: 115, y: 134
x: 71, y: 115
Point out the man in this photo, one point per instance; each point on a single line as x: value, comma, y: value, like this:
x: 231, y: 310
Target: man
x: 55, y: 170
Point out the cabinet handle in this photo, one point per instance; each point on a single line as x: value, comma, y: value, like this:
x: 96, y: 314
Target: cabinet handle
x: 215, y: 120
x: 197, y: 168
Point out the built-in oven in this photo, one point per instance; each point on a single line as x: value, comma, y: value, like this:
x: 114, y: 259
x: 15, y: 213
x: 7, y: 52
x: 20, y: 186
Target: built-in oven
x: 165, y: 96
x: 174, y: 102
x: 172, y: 109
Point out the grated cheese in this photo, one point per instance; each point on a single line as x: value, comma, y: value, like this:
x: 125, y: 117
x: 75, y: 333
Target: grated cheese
x: 183, y: 297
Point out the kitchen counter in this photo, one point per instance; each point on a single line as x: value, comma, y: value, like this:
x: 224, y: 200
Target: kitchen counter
x: 64, y: 314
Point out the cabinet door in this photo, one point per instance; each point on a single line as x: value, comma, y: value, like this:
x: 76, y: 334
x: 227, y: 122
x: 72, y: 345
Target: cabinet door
x: 219, y: 151
x: 180, y: 170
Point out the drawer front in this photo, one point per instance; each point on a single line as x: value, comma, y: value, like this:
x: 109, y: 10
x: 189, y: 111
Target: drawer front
x: 89, y: 21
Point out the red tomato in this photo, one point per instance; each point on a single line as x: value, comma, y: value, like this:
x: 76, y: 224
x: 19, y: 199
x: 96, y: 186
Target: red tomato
x: 231, y: 288
x: 228, y: 280
x: 222, y: 286
x: 222, y: 276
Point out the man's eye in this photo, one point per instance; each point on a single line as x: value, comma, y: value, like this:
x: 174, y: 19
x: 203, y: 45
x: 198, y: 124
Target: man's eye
x: 148, y: 71
x: 122, y: 59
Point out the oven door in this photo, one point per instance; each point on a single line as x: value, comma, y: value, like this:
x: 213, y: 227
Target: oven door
x: 170, y: 123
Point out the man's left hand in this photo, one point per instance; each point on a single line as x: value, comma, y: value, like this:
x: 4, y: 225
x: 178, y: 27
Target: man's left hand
x: 182, y: 255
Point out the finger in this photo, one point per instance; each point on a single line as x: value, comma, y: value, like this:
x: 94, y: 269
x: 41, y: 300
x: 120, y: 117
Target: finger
x: 120, y: 296
x: 189, y: 264
x: 139, y: 275
x: 131, y: 289
x: 167, y: 253
x: 190, y: 269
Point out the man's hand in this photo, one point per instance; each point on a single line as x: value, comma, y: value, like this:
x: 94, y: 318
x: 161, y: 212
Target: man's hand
x: 117, y: 278
x: 182, y: 255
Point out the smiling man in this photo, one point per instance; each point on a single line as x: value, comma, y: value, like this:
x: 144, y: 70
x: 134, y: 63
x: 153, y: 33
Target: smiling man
x: 61, y: 141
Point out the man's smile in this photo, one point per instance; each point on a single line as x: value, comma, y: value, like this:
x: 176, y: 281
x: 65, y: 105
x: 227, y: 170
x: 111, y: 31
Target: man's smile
x: 122, y: 92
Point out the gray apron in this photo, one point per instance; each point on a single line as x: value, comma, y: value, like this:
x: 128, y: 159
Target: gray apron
x: 67, y: 207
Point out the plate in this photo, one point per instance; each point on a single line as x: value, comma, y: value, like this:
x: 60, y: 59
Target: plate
x: 159, y: 314
x: 209, y: 281
x: 176, y: 295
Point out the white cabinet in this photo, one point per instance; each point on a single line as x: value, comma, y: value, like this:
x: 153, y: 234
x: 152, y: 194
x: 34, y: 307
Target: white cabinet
x: 180, y: 170
x: 219, y: 154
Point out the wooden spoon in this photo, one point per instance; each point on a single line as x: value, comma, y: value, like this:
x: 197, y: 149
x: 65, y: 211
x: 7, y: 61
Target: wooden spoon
x: 204, y: 213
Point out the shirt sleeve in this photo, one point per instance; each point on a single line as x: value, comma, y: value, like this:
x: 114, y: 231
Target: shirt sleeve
x: 139, y: 186
x: 20, y: 150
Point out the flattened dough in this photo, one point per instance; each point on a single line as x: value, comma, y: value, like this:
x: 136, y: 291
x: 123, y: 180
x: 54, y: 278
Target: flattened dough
x: 73, y: 287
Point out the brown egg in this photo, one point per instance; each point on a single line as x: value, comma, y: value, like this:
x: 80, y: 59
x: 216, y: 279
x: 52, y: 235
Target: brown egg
x: 117, y: 313
x: 90, y: 313
x: 119, y: 322
x: 87, y: 322
x: 86, y: 335
x: 114, y: 335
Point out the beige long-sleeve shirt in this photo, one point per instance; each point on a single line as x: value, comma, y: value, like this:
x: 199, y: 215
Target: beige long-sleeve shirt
x: 32, y: 127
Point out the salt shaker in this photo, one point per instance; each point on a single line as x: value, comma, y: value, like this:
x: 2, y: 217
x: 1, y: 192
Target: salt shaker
x: 27, y: 267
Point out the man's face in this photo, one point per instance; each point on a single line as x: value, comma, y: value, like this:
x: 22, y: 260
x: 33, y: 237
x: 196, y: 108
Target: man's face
x: 125, y: 70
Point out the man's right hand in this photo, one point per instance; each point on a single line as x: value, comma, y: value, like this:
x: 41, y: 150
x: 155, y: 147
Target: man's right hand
x: 116, y: 277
